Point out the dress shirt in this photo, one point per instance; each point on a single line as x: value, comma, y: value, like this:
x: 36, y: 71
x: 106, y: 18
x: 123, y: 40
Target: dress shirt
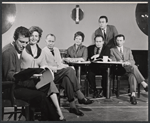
x: 120, y: 49
x: 97, y: 50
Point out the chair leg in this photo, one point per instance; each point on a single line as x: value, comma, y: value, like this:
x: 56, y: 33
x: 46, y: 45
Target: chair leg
x: 15, y: 113
x: 2, y: 113
x: 113, y: 83
x: 27, y: 113
x: 139, y: 90
x: 11, y: 114
x: 118, y: 86
x: 86, y: 87
x: 22, y: 110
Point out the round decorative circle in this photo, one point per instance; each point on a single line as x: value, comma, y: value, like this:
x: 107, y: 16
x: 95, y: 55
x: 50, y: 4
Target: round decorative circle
x: 142, y: 17
x: 77, y: 14
x: 8, y: 16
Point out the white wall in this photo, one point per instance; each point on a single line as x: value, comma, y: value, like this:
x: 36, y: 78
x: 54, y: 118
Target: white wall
x: 56, y: 19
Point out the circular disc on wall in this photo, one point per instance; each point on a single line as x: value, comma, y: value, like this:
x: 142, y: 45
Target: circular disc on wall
x: 8, y: 16
x: 142, y: 17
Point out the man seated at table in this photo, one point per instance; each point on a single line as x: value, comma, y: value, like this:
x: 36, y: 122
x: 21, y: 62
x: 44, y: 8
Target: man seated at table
x: 64, y: 75
x: 96, y: 51
x: 124, y: 55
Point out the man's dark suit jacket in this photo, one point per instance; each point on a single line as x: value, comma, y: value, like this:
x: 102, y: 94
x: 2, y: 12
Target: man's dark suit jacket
x: 104, y: 52
x: 111, y: 32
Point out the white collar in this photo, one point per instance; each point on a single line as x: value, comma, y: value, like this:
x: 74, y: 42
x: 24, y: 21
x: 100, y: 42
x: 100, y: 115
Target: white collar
x: 119, y: 48
x: 104, y: 29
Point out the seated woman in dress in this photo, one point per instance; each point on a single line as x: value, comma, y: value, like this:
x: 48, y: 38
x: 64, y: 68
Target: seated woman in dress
x: 77, y: 52
x: 33, y: 57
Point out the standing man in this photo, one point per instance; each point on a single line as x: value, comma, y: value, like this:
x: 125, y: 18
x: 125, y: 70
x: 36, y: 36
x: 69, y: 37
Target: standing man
x: 98, y: 50
x: 24, y: 90
x: 124, y: 54
x: 107, y: 31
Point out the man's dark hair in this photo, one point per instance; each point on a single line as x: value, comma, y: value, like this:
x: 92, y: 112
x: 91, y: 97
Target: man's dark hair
x: 98, y: 36
x: 120, y: 35
x: 21, y: 31
x: 103, y: 17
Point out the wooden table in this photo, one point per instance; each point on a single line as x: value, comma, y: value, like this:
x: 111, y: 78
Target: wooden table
x: 109, y: 64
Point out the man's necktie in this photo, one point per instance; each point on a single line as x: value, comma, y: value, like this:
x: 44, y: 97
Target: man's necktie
x: 97, y: 51
x: 52, y: 51
x: 121, y: 51
x: 104, y: 34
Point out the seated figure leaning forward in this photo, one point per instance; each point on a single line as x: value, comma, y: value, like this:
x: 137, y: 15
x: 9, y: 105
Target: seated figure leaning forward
x: 33, y: 57
x: 11, y: 65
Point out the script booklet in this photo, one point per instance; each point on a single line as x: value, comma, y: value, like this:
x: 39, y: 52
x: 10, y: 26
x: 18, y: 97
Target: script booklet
x: 28, y: 73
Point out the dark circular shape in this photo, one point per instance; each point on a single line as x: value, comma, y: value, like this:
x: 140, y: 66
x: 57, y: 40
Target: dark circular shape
x: 81, y: 13
x: 142, y: 17
x: 8, y: 16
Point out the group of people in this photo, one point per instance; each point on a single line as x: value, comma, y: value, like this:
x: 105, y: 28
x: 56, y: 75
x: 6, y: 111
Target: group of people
x: 107, y: 42
x: 24, y: 52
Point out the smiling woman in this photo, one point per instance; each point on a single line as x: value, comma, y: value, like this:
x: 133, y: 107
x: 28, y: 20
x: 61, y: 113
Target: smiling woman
x: 8, y: 16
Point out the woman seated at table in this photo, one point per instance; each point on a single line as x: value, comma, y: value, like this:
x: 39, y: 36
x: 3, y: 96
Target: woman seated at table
x: 33, y: 57
x: 77, y: 52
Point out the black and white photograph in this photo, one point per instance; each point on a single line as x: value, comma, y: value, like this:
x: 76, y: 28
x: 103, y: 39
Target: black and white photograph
x: 74, y: 61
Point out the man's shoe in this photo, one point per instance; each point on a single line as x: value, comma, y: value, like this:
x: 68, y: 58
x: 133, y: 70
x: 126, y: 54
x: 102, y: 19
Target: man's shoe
x: 133, y: 100
x: 146, y: 88
x: 97, y: 95
x: 91, y: 91
x: 85, y: 101
x: 76, y: 111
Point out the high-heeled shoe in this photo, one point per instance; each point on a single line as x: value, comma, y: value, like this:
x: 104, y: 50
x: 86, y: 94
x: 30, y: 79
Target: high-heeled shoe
x: 62, y: 119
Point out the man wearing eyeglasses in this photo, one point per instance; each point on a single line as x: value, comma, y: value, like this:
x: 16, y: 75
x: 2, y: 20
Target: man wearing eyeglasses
x: 24, y: 90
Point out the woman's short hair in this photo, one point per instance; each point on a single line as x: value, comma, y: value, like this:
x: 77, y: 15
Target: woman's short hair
x: 79, y: 34
x: 37, y: 29
x: 98, y: 36
x: 120, y: 35
x: 21, y: 31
